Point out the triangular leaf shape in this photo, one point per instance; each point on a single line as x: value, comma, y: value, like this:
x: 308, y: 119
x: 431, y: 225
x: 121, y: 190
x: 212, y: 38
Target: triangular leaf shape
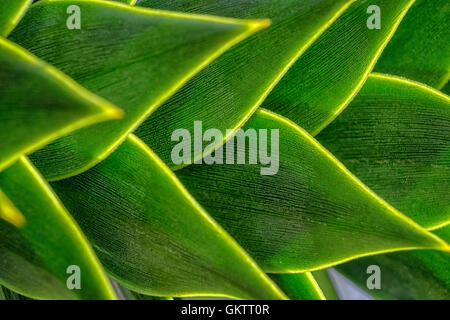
x: 395, y: 138
x: 11, y: 11
x: 134, y: 57
x: 420, y: 48
x: 311, y: 214
x: 34, y: 258
x: 39, y: 104
x: 225, y: 94
x: 417, y: 275
x: 299, y: 286
x: 329, y: 75
x: 9, y: 212
x: 152, y: 236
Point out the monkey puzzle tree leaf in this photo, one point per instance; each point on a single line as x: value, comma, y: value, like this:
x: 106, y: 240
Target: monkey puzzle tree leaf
x: 6, y: 294
x: 39, y: 104
x: 228, y: 91
x: 299, y: 286
x: 420, y: 48
x: 325, y: 284
x: 418, y: 275
x: 152, y: 236
x: 9, y: 213
x: 395, y: 138
x: 11, y: 11
x: 311, y: 214
x: 134, y: 57
x: 34, y: 258
x: 327, y: 77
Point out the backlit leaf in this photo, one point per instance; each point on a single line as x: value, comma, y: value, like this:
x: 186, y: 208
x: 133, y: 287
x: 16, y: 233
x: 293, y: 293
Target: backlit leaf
x: 311, y: 214
x: 225, y: 94
x: 11, y: 11
x: 420, y: 48
x: 34, y: 258
x: 134, y: 57
x: 418, y: 275
x: 395, y: 137
x: 152, y: 236
x: 299, y: 286
x: 39, y: 104
x: 327, y: 77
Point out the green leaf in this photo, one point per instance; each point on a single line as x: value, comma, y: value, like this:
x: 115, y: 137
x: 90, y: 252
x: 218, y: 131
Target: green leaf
x: 418, y: 275
x: 39, y: 104
x: 134, y: 57
x: 6, y: 294
x: 420, y: 48
x: 311, y: 214
x: 325, y: 284
x: 299, y: 286
x: 395, y: 138
x: 225, y: 94
x: 35, y: 257
x: 152, y: 236
x: 328, y: 76
x: 9, y: 212
x: 11, y: 11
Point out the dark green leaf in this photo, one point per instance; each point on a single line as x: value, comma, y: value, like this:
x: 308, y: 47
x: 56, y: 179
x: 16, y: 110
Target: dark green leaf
x: 418, y: 275
x: 299, y: 286
x: 152, y: 236
x: 395, y: 137
x: 225, y: 94
x: 328, y: 76
x: 39, y: 104
x: 420, y: 48
x: 311, y: 214
x: 134, y: 57
x: 35, y: 257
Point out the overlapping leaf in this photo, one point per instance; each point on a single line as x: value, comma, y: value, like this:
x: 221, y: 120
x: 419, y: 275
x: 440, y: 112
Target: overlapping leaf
x: 395, y: 137
x: 299, y: 286
x: 39, y: 103
x: 325, y: 284
x: 135, y: 58
x: 313, y: 213
x: 418, y: 275
x: 420, y: 48
x: 152, y: 236
x: 11, y: 11
x: 225, y: 94
x: 34, y: 258
x: 327, y: 77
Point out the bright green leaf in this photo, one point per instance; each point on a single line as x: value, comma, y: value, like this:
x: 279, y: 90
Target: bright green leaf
x: 152, y: 236
x: 325, y: 284
x: 134, y: 57
x: 225, y: 94
x: 39, y: 104
x: 11, y: 11
x: 299, y: 286
x: 418, y: 275
x: 395, y: 138
x: 9, y: 212
x: 35, y: 257
x: 420, y: 48
x: 311, y: 214
x: 327, y: 77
